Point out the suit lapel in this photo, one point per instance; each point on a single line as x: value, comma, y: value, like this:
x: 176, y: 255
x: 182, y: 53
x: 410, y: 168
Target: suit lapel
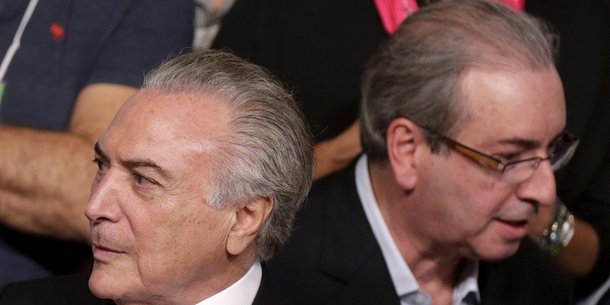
x: 350, y: 250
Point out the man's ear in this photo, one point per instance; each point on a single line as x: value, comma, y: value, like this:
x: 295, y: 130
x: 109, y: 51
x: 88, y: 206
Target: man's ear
x: 248, y: 222
x: 403, y: 139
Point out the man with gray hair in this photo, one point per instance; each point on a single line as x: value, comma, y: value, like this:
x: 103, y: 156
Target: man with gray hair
x: 463, y: 123
x: 199, y: 177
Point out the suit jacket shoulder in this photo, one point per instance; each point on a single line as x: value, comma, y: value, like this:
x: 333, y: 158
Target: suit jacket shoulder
x: 74, y: 290
x: 332, y: 256
x: 267, y: 293
x: 61, y: 290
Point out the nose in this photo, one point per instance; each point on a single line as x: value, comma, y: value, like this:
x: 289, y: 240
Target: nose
x: 540, y: 187
x: 103, y: 204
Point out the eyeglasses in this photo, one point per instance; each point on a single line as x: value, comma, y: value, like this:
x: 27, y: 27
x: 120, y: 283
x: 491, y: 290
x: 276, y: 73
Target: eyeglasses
x: 518, y: 171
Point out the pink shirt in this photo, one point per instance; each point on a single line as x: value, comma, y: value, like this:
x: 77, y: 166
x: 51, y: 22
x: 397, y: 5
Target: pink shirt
x: 394, y: 12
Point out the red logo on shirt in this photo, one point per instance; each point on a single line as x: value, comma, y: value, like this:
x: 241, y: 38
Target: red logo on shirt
x: 57, y: 31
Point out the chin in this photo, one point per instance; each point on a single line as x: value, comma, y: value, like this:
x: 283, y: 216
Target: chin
x: 499, y: 251
x: 103, y: 285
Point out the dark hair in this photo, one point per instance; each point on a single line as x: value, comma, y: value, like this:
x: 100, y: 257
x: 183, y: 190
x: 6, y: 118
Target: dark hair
x: 416, y: 74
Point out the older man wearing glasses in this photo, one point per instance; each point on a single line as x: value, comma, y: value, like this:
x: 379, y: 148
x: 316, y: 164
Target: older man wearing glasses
x: 463, y: 121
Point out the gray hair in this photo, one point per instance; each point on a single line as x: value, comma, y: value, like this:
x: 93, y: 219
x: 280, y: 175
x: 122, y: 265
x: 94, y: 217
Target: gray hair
x: 416, y: 74
x: 268, y: 150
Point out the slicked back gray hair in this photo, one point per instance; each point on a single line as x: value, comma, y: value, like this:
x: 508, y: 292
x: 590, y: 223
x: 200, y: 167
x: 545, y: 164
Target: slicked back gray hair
x: 416, y: 74
x: 268, y: 151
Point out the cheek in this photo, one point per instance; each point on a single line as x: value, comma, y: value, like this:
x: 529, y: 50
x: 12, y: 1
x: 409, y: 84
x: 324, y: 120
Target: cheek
x: 467, y: 196
x: 185, y: 244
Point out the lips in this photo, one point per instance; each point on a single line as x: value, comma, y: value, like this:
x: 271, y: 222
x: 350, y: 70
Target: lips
x: 104, y: 254
x: 102, y: 248
x: 514, y: 229
x: 517, y: 223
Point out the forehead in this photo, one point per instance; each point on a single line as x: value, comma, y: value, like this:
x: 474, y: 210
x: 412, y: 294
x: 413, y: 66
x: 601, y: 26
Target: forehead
x: 187, y: 110
x: 505, y: 103
x: 155, y: 121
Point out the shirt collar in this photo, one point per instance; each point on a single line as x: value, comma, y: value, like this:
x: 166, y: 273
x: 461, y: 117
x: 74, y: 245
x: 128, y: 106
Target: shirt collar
x: 402, y: 277
x: 241, y: 292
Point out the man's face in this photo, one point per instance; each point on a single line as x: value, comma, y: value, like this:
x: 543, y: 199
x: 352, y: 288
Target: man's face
x: 513, y: 115
x: 154, y: 236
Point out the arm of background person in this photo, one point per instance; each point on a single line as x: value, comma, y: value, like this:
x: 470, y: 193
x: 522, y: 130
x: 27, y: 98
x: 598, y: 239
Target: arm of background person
x: 334, y: 154
x: 586, y: 258
x: 579, y: 257
x: 593, y: 206
x: 45, y: 176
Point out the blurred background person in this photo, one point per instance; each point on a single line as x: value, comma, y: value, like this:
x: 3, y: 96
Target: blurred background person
x: 208, y: 18
x: 67, y: 67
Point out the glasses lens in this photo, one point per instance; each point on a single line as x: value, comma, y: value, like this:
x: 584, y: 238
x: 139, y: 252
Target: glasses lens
x: 563, y: 151
x: 520, y: 171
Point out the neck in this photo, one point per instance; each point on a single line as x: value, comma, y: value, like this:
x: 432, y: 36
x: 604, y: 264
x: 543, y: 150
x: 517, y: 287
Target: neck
x: 435, y: 266
x: 192, y: 291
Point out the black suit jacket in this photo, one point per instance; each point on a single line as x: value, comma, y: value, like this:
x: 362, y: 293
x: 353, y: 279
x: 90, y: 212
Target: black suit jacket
x: 317, y: 47
x: 74, y: 290
x: 333, y: 258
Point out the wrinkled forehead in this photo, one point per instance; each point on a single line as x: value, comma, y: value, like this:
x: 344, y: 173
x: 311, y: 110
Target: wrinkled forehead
x: 188, y: 111
x: 174, y: 119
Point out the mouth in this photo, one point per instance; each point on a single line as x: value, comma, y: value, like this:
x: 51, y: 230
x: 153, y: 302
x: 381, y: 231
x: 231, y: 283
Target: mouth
x: 514, y: 229
x: 104, y: 254
x: 516, y: 223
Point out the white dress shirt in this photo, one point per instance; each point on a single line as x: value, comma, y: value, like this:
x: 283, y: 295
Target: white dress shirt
x: 404, y: 282
x: 241, y: 292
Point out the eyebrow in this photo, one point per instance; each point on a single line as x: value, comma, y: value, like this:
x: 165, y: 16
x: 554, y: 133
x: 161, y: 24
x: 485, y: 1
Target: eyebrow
x: 522, y: 143
x: 98, y: 151
x: 528, y: 144
x: 136, y: 163
x: 146, y: 163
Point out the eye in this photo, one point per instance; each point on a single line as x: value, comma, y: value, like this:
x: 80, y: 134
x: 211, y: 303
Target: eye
x: 508, y: 157
x: 102, y: 166
x: 143, y: 181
